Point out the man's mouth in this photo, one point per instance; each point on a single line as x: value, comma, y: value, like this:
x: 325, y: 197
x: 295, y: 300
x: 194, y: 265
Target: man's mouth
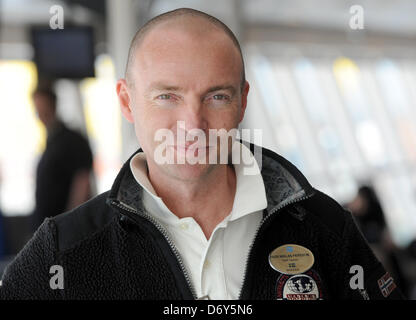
x: 192, y: 149
x: 191, y: 146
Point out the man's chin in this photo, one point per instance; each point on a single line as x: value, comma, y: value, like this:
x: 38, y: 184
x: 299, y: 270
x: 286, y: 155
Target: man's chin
x: 188, y: 172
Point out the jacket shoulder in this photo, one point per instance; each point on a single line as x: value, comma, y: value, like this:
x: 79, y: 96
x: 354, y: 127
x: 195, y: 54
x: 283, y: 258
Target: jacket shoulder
x: 328, y: 211
x: 82, y: 222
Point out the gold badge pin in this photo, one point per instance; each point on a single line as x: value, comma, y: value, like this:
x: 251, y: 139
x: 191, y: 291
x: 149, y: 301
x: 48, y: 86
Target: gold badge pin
x: 291, y: 259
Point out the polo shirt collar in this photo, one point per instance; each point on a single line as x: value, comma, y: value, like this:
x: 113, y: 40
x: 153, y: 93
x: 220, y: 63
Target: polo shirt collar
x: 250, y: 194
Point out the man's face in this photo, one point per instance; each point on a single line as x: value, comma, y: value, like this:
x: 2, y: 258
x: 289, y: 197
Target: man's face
x: 186, y: 75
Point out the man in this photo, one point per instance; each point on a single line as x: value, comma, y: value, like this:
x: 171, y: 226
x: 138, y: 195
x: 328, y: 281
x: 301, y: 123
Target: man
x: 205, y: 230
x: 63, y: 171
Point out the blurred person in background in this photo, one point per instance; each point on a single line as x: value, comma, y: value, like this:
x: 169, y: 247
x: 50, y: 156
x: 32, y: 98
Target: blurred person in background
x: 64, y: 169
x: 368, y: 213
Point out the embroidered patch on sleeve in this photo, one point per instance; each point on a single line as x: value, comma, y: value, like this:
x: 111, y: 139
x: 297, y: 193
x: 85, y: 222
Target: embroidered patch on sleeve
x: 386, y: 284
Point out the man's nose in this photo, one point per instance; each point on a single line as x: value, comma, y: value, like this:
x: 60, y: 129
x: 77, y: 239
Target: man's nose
x: 194, y: 115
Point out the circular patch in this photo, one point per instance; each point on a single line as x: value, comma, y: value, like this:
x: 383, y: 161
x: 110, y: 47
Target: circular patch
x: 299, y: 287
x: 291, y: 259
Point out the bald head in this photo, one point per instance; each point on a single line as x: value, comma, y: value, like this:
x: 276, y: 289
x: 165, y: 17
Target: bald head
x: 190, y: 20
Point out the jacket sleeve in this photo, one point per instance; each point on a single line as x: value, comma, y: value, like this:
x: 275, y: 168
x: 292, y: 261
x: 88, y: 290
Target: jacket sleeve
x: 364, y: 276
x: 28, y: 275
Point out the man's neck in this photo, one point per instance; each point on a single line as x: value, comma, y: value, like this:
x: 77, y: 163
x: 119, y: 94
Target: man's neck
x: 52, y: 125
x: 208, y: 200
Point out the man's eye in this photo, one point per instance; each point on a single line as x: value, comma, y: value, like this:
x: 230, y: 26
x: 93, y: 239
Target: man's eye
x: 220, y: 97
x: 164, y: 96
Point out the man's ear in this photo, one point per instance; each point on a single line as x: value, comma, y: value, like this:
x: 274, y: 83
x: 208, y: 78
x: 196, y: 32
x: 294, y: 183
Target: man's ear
x: 244, y: 95
x: 124, y: 99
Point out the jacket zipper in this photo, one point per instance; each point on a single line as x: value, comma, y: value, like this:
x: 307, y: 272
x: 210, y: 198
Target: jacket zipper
x: 175, y: 251
x: 165, y: 235
x: 277, y: 208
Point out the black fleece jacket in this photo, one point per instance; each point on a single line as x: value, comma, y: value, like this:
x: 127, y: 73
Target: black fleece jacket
x: 110, y: 248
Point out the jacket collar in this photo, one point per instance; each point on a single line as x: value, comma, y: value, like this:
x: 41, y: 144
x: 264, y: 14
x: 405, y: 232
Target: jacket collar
x: 283, y: 182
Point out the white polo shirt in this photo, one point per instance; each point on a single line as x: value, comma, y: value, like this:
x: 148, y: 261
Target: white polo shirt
x: 216, y: 266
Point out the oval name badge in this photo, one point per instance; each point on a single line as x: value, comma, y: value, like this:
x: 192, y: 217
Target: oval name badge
x: 291, y: 259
